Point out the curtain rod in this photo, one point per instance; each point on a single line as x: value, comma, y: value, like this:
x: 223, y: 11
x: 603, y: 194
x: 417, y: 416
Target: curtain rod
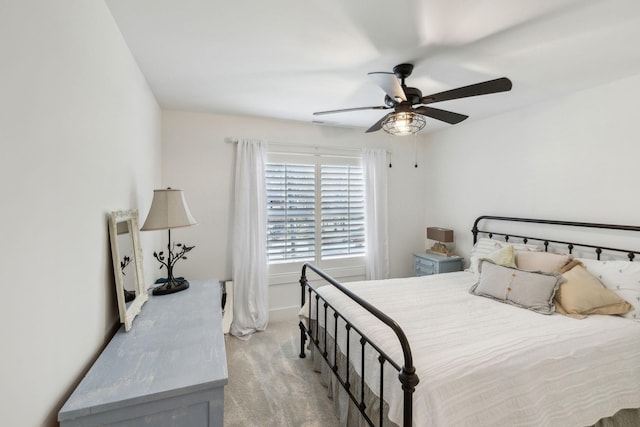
x: 234, y: 140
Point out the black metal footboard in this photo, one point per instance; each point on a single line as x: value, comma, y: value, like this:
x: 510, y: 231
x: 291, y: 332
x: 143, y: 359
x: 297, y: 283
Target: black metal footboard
x: 407, y: 373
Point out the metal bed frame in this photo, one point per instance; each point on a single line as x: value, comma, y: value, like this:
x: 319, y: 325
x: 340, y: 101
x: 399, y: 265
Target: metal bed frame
x: 406, y: 372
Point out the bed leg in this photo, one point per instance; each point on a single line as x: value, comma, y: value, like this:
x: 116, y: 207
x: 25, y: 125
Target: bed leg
x: 303, y: 287
x: 303, y: 339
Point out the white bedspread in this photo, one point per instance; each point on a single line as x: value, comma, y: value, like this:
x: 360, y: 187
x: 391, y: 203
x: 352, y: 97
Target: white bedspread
x: 484, y: 363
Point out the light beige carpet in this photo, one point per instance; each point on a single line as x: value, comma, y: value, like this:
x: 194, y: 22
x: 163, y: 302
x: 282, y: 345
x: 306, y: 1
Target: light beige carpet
x: 269, y: 385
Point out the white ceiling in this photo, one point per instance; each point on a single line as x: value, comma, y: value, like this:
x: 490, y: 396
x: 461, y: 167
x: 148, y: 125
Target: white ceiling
x: 286, y: 59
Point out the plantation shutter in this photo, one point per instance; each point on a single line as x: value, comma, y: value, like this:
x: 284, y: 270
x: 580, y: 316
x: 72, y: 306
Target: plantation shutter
x: 342, y: 211
x: 290, y: 212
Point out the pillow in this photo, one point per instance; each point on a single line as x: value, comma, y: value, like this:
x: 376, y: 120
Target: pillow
x: 582, y: 294
x: 570, y: 265
x: 481, y: 248
x: 485, y: 247
x: 546, y: 262
x: 621, y: 277
x: 533, y: 291
x: 525, y: 247
x: 504, y: 256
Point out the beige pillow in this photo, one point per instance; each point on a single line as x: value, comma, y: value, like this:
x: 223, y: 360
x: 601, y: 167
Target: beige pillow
x: 504, y: 256
x: 570, y: 265
x: 583, y: 294
x: 541, y: 261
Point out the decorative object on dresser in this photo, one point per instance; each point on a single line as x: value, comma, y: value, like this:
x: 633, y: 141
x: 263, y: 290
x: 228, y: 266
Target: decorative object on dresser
x: 131, y: 292
x: 169, y: 210
x: 425, y: 264
x: 169, y: 371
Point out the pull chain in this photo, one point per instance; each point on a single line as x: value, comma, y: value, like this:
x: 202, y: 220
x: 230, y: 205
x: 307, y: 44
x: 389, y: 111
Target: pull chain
x: 388, y: 152
x: 415, y: 142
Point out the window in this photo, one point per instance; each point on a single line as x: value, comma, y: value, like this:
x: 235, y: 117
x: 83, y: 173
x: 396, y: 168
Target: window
x: 342, y: 211
x: 315, y: 208
x: 290, y: 212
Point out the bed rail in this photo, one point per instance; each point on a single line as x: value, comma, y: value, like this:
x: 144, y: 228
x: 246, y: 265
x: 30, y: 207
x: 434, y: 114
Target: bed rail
x: 570, y: 245
x: 407, y: 373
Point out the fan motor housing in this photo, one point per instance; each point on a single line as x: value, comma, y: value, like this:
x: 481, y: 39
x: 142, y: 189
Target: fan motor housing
x: 413, y: 95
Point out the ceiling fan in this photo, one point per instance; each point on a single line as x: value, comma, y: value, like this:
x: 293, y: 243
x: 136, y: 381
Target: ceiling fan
x: 410, y: 106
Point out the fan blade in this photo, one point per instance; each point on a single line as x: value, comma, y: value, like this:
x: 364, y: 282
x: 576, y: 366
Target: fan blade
x: 389, y: 84
x: 378, y: 125
x: 502, y: 84
x: 344, y: 110
x: 442, y: 115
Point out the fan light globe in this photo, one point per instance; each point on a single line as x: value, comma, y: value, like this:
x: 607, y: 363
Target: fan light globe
x: 404, y: 123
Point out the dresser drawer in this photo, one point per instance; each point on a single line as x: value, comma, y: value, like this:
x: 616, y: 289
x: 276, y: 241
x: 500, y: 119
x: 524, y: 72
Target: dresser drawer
x: 427, y: 263
x: 423, y: 267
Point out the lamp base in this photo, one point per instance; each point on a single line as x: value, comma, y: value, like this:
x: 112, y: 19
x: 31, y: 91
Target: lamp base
x: 171, y: 287
x: 440, y: 249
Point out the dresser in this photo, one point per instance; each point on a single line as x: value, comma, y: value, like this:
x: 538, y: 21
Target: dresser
x: 170, y: 369
x: 428, y: 263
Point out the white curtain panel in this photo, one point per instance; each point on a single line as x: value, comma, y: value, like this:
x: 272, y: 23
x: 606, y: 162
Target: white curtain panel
x: 374, y: 165
x: 250, y: 302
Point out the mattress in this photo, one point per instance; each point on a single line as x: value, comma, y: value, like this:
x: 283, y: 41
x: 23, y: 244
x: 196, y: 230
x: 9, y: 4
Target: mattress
x: 484, y: 363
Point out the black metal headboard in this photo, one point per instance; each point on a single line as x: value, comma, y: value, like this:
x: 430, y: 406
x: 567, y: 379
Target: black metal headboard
x: 570, y: 245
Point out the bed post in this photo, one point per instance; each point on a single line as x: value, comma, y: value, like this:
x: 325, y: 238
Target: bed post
x: 475, y: 230
x: 409, y: 381
x: 303, y: 286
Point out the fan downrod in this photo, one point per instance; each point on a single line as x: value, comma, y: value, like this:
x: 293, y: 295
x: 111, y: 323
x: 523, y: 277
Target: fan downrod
x: 402, y: 71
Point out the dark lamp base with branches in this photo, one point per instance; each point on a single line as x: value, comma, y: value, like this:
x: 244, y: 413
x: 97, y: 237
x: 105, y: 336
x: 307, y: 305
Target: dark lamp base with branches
x: 173, y: 284
x: 176, y: 285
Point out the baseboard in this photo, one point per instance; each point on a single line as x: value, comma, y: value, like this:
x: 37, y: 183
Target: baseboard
x: 287, y: 314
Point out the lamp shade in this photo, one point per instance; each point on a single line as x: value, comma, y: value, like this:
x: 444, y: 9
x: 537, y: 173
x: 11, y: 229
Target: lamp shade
x: 168, y: 210
x: 440, y: 234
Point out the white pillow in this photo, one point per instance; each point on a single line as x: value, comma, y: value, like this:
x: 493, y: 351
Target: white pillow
x: 622, y: 277
x: 482, y: 248
x: 525, y: 247
x: 485, y: 246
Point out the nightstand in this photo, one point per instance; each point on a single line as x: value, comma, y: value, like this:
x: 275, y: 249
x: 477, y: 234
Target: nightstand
x: 428, y: 263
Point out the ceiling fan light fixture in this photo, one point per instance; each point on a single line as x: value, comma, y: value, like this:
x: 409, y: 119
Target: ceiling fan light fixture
x: 404, y: 123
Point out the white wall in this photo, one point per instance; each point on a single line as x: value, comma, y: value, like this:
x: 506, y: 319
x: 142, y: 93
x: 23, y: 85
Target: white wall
x: 571, y: 158
x: 197, y: 159
x: 80, y: 135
